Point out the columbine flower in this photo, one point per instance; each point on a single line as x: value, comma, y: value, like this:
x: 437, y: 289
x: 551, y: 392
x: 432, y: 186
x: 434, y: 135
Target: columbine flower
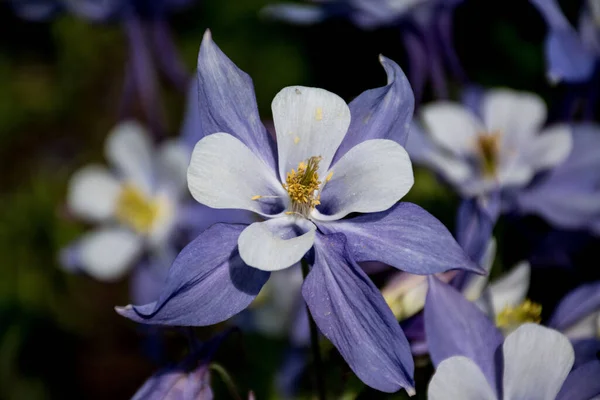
x: 475, y: 362
x: 501, y: 147
x: 570, y: 55
x: 426, y: 27
x: 569, y: 195
x: 332, y: 160
x: 135, y: 204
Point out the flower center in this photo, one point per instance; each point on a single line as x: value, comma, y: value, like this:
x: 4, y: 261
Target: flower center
x: 511, y: 318
x: 303, y: 186
x: 488, y: 146
x: 136, y: 210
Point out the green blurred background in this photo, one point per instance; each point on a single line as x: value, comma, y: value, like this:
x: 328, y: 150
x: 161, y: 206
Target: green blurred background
x: 60, y: 83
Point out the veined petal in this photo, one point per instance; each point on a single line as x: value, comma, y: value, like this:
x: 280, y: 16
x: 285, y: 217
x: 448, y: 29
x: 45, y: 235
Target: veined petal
x: 308, y: 122
x: 550, y: 148
x: 108, y: 253
x: 511, y: 289
x: 207, y: 283
x: 452, y: 126
x: 537, y: 361
x: 455, y: 326
x: 350, y: 311
x: 227, y: 102
x: 406, y: 237
x: 381, y: 113
x: 582, y: 383
x: 93, y: 193
x: 577, y: 304
x: 224, y: 173
x: 459, y: 378
x: 516, y: 116
x: 129, y: 149
x: 371, y: 177
x: 277, y: 243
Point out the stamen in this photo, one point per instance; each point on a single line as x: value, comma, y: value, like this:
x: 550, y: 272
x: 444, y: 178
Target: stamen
x: 511, y: 318
x: 303, y: 186
x: 488, y: 146
x: 136, y: 210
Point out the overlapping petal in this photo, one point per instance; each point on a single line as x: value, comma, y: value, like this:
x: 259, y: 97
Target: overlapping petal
x: 371, y: 177
x: 224, y: 173
x: 577, y: 304
x: 406, y: 237
x: 455, y: 326
x: 582, y: 383
x: 459, y: 378
x: 350, y: 311
x: 381, y: 113
x: 207, y: 283
x: 309, y: 122
x: 277, y: 243
x: 227, y: 102
x: 93, y: 193
x: 537, y: 361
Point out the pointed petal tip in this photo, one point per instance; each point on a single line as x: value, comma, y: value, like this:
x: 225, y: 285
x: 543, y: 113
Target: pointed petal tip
x: 124, y: 310
x: 410, y: 391
x: 207, y: 35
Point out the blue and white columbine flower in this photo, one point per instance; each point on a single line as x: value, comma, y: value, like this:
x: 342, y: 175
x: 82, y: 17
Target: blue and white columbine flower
x: 134, y: 204
x: 571, y: 55
x: 475, y: 362
x: 501, y: 146
x: 330, y: 160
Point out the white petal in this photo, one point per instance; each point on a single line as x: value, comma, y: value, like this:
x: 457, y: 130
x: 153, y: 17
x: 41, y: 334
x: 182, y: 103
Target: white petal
x: 514, y: 172
x: 452, y: 126
x: 308, y: 122
x: 93, y: 193
x: 550, y: 148
x: 224, y: 173
x: 129, y: 149
x: 536, y: 362
x: 475, y: 285
x: 518, y: 116
x: 173, y: 161
x: 459, y: 378
x: 510, y: 289
x: 277, y: 243
x: 107, y: 254
x: 371, y: 177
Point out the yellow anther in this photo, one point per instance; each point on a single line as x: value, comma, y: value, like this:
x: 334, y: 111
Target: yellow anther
x: 136, y: 210
x: 319, y: 114
x: 303, y: 184
x: 488, y: 146
x: 255, y: 197
x: 328, y: 177
x: 296, y: 140
x: 512, y: 317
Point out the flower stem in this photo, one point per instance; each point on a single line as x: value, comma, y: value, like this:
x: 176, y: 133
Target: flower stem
x: 314, y: 345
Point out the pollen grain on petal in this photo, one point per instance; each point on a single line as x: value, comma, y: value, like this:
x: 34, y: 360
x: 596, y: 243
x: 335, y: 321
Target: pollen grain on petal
x: 319, y: 114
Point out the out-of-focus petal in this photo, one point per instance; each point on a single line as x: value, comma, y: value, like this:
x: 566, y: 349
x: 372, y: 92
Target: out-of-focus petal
x: 277, y: 243
x: 537, y: 361
x: 207, y: 283
x: 452, y: 126
x: 371, y: 177
x: 227, y: 102
x: 93, y: 193
x: 173, y: 160
x: 511, y: 289
x: 381, y: 113
x: 129, y: 148
x: 550, y: 148
x: 309, y: 122
x: 455, y: 326
x: 406, y: 237
x: 577, y: 304
x: 582, y: 383
x: 224, y: 173
x: 301, y: 14
x: 350, y: 311
x: 459, y: 378
x: 108, y: 253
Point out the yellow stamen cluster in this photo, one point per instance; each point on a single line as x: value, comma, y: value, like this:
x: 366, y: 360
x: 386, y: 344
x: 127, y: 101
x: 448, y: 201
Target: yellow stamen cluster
x: 488, y: 146
x: 135, y: 210
x: 303, y: 186
x: 512, y: 317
